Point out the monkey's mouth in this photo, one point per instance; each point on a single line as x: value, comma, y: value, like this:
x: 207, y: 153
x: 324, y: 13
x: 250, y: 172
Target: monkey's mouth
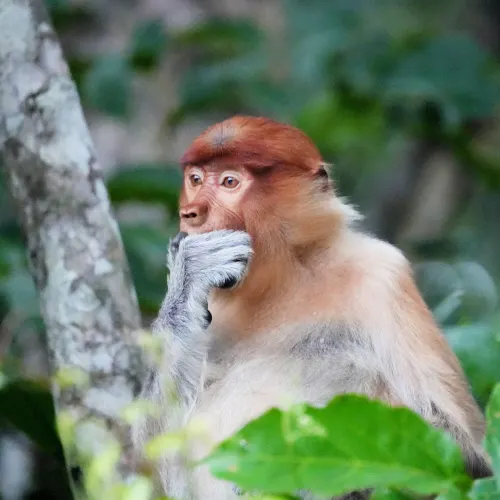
x: 211, y: 227
x: 197, y: 230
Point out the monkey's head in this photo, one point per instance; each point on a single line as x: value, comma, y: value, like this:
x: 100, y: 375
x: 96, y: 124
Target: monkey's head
x: 261, y: 176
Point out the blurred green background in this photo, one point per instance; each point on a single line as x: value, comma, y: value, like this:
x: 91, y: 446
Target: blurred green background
x: 401, y: 96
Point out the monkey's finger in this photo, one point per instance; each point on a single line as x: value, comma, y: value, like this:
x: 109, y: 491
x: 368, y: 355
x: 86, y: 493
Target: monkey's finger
x: 229, y: 283
x: 176, y: 240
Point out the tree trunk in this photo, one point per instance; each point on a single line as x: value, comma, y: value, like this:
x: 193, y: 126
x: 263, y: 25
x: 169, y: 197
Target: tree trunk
x: 88, y: 301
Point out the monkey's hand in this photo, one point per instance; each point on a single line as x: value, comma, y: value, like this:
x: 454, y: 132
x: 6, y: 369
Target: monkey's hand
x: 173, y: 248
x: 198, y: 263
x: 215, y: 259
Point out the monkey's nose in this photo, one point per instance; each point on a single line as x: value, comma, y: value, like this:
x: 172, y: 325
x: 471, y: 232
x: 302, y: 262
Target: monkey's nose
x: 194, y: 215
x: 188, y: 213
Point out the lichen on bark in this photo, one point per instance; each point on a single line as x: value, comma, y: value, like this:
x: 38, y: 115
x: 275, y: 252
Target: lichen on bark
x: 76, y: 256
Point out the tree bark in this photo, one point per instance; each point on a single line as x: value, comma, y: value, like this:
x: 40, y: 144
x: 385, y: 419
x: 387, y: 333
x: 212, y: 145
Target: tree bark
x: 88, y: 301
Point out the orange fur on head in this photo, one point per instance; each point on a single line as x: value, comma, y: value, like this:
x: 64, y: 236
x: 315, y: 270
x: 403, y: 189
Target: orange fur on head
x: 254, y: 142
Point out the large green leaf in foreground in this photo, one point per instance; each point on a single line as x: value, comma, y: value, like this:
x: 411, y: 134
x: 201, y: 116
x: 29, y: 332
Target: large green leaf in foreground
x: 352, y: 443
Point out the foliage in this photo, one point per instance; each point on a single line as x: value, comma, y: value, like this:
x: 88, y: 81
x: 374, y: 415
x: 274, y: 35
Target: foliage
x: 493, y: 433
x: 352, y: 443
x: 27, y: 405
x: 148, y: 45
x: 107, y: 85
x: 360, y: 80
x: 147, y: 183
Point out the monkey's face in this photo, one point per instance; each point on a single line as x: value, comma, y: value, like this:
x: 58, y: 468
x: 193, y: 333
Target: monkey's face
x: 212, y: 198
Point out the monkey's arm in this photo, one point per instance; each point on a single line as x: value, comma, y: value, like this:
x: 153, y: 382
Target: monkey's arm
x: 180, y: 325
x: 422, y: 372
x: 197, y: 264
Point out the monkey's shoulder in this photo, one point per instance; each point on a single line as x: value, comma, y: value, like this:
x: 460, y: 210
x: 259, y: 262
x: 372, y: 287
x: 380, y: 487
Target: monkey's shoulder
x: 369, y: 255
x: 363, y: 272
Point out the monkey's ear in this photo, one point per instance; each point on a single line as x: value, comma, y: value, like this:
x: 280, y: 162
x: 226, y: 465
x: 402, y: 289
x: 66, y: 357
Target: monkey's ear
x: 323, y: 173
x: 325, y: 170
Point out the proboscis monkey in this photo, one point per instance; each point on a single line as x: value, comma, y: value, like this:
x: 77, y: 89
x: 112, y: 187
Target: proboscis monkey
x: 274, y: 294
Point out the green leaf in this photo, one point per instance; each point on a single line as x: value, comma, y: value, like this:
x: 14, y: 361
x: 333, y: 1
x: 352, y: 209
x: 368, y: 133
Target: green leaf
x: 478, y: 348
x: 27, y: 405
x: 226, y: 98
x: 239, y: 84
x: 221, y: 37
x: 149, y: 183
x: 146, y: 249
x: 4, y: 265
x: 367, y: 63
x: 353, y: 443
x: 140, y: 488
x: 452, y: 72
x: 453, y: 494
x: 467, y: 287
x: 53, y: 5
x: 79, y: 67
x: 148, y: 44
x: 481, y: 295
x: 16, y: 283
x: 223, y: 87
x: 387, y: 494
x: 343, y: 128
x: 485, y: 489
x: 493, y: 431
x: 66, y: 14
x: 107, y: 85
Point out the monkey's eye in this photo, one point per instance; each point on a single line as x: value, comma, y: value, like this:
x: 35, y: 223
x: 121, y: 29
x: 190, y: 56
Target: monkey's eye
x: 230, y: 182
x: 195, y: 180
